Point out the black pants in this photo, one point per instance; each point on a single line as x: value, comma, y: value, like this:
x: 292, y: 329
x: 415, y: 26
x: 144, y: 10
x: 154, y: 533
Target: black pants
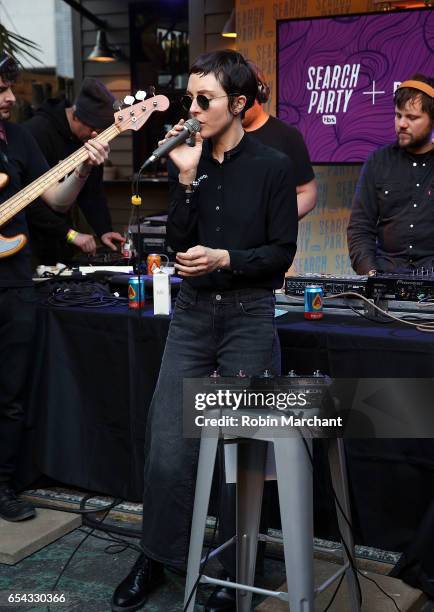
x: 231, y: 331
x: 17, y: 319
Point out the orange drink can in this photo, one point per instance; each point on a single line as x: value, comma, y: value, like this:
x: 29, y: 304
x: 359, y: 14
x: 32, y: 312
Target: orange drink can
x: 153, y: 262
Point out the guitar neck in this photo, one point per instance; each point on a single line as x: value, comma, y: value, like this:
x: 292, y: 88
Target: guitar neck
x: 26, y: 196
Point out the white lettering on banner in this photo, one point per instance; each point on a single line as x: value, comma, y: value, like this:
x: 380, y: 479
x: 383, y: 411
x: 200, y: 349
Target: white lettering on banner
x: 331, y: 89
x: 329, y: 119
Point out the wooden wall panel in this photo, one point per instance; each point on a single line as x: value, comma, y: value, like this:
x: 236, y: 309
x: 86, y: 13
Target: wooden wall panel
x: 115, y: 75
x: 206, y: 21
x: 218, y: 6
x: 214, y: 23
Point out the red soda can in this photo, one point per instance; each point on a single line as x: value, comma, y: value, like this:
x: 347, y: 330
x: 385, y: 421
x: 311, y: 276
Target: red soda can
x: 126, y: 249
x: 313, y: 295
x: 153, y: 262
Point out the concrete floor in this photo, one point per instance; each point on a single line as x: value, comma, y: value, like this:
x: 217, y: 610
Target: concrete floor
x: 98, y: 566
x: 406, y: 598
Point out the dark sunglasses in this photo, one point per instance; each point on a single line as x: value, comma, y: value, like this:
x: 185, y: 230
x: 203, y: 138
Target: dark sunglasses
x: 202, y: 101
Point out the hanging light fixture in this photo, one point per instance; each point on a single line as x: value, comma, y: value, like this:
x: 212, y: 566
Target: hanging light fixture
x: 101, y: 51
x: 229, y: 29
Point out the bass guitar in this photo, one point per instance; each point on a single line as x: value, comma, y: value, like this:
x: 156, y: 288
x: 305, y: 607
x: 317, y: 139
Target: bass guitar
x: 130, y: 118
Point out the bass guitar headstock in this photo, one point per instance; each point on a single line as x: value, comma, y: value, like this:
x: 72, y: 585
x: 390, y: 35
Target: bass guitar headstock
x: 133, y: 115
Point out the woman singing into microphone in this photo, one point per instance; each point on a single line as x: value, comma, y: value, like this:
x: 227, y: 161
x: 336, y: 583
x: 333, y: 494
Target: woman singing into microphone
x: 233, y: 224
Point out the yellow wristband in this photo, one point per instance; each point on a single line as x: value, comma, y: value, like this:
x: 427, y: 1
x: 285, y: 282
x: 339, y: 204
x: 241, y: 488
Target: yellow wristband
x: 71, y: 235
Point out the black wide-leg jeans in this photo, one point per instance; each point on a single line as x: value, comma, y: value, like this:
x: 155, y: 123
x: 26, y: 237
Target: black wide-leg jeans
x: 17, y: 321
x: 229, y: 331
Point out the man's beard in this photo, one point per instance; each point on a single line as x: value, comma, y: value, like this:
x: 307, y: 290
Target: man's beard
x: 415, y: 143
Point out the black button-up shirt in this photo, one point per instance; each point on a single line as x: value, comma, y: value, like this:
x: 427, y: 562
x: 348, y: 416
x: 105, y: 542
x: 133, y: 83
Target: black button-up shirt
x: 247, y: 205
x: 392, y: 218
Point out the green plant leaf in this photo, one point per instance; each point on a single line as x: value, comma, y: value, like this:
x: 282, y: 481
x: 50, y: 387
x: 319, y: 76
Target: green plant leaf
x: 15, y: 44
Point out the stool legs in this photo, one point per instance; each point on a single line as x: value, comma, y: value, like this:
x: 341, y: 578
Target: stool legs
x: 250, y: 486
x: 294, y: 481
x: 338, y: 472
x: 207, y: 455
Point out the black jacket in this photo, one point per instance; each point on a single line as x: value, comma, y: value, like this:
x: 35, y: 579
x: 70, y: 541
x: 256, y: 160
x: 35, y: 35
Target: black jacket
x: 50, y: 128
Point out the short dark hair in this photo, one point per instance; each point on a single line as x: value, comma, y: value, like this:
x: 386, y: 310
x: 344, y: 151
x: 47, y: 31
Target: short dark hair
x: 232, y: 72
x: 9, y: 67
x: 263, y: 93
x: 404, y: 95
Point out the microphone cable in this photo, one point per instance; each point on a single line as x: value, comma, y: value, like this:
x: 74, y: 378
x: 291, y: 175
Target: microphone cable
x: 354, y: 568
x: 82, y: 541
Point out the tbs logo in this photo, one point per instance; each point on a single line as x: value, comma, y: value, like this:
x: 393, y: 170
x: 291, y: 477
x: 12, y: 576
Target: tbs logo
x: 329, y: 119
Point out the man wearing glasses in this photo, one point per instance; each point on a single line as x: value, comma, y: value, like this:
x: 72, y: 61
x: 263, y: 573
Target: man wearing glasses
x: 60, y: 129
x: 233, y: 224
x: 22, y: 162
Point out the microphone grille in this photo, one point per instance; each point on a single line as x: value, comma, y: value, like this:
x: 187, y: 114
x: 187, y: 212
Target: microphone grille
x: 192, y: 125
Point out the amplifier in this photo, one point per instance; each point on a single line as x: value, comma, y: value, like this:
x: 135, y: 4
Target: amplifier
x: 152, y: 233
x: 395, y: 287
x: 331, y: 285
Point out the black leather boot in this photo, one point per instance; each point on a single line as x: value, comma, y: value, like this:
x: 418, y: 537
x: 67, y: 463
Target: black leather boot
x: 132, y: 593
x: 12, y: 508
x: 222, y: 599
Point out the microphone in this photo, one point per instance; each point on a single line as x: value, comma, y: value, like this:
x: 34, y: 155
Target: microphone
x: 190, y: 127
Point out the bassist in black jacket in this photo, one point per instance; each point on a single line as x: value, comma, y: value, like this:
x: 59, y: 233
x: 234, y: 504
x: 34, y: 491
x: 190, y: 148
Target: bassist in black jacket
x: 21, y: 163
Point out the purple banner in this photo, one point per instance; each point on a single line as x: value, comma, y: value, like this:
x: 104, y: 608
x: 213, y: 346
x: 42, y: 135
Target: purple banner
x: 337, y: 75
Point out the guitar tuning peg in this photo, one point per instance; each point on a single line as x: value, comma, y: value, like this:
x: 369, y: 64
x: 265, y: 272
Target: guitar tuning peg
x: 128, y: 100
x: 140, y: 95
x: 151, y: 90
x: 117, y: 105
